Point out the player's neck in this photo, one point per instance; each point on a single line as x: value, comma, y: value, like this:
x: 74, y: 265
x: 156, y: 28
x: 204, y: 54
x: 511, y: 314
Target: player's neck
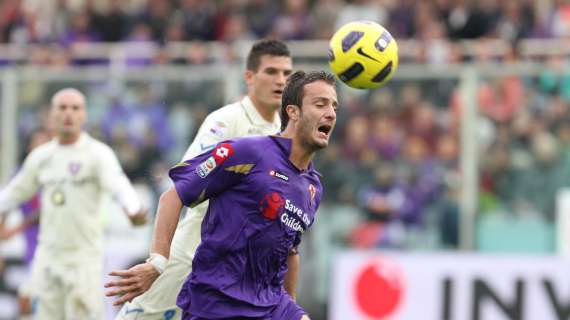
x: 267, y: 114
x: 67, y: 139
x: 301, y: 155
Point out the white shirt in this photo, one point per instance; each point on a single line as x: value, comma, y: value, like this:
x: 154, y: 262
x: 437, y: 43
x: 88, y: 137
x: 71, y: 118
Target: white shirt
x: 72, y: 179
x: 235, y: 120
x: 239, y: 119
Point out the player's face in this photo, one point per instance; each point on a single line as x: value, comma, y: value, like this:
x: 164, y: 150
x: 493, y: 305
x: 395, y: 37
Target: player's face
x: 318, y: 116
x: 267, y: 83
x: 68, y: 113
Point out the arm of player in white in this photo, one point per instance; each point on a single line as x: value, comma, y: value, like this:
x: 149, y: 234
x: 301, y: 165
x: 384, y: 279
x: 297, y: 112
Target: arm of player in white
x: 138, y: 279
x: 114, y: 181
x: 21, y: 188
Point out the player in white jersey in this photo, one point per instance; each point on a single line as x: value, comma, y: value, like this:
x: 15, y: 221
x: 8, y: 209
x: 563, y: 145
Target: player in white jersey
x: 268, y: 66
x: 73, y: 171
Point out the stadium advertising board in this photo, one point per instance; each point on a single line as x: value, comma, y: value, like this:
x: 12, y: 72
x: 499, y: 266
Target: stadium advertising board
x: 442, y: 286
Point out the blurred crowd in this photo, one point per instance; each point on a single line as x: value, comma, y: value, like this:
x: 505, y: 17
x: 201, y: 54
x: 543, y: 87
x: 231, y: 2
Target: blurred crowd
x: 56, y: 26
x: 400, y: 151
x: 68, y: 21
x: 394, y: 158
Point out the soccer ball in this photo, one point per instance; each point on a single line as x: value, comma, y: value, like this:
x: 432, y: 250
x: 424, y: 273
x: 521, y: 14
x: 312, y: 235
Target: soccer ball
x: 363, y: 54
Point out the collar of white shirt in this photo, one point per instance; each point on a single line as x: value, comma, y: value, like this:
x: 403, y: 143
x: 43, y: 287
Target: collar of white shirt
x: 254, y: 115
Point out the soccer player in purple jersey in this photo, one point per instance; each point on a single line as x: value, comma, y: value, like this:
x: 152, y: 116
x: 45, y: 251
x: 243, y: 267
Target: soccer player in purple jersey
x: 264, y: 193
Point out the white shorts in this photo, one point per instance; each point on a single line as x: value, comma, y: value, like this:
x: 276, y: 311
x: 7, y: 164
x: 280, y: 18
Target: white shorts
x: 159, y: 302
x: 69, y: 292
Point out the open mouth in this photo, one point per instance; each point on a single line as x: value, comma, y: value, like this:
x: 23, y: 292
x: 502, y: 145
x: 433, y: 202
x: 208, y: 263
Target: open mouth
x: 278, y: 92
x: 324, y: 129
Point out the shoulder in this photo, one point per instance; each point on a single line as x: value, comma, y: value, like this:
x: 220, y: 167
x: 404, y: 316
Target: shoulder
x: 226, y: 113
x: 98, y: 146
x: 222, y: 122
x: 100, y: 151
x: 261, y: 143
x: 42, y: 152
x: 250, y: 147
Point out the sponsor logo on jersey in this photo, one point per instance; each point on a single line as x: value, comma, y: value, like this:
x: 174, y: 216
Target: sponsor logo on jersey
x: 219, y: 129
x: 276, y: 174
x: 297, y: 211
x: 206, y: 167
x: 294, y: 217
x: 222, y: 152
x: 271, y: 205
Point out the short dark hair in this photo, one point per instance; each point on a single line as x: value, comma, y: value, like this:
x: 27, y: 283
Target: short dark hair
x: 294, y: 90
x: 263, y: 47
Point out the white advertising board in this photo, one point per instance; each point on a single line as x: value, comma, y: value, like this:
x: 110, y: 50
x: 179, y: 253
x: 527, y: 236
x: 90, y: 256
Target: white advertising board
x: 449, y: 286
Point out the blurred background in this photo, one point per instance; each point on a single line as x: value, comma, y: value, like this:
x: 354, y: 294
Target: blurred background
x: 445, y: 191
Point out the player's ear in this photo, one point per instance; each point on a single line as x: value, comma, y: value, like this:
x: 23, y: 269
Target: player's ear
x: 293, y: 111
x: 248, y: 76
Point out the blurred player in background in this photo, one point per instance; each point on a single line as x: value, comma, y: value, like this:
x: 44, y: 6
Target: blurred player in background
x: 72, y: 171
x: 267, y: 67
x: 30, y: 227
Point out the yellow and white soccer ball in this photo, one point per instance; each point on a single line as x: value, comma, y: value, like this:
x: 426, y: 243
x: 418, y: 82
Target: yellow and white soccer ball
x: 363, y: 54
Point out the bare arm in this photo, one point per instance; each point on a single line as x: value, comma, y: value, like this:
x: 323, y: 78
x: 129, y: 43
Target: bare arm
x: 293, y: 262
x: 138, y: 279
x: 169, y: 207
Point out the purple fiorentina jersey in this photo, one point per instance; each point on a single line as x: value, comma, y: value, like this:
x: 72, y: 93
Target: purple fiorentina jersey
x: 260, y: 204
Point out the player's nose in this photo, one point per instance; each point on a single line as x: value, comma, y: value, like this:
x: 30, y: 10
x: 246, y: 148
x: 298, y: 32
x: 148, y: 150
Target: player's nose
x: 281, y: 78
x: 330, y: 113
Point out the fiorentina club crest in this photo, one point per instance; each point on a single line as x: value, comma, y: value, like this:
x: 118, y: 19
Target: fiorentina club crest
x: 312, y: 192
x: 74, y: 167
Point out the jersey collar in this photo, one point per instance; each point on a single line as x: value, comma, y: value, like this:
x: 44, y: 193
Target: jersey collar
x: 81, y: 141
x: 285, y: 145
x: 254, y: 116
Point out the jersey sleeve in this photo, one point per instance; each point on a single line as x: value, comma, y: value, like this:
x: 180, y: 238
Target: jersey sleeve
x: 212, y: 172
x: 22, y: 187
x: 215, y: 129
x: 114, y: 181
